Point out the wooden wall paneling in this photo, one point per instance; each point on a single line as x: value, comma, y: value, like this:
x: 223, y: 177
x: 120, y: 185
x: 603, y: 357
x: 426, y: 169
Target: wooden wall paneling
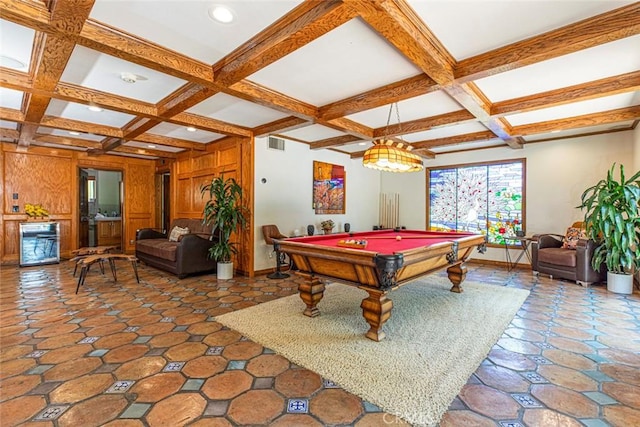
x: 3, y: 209
x: 39, y: 179
x: 139, y: 200
x: 11, y: 247
x: 247, y: 180
x: 50, y: 176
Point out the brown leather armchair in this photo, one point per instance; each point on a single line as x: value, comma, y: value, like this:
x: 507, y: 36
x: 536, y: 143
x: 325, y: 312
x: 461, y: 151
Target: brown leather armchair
x: 549, y: 257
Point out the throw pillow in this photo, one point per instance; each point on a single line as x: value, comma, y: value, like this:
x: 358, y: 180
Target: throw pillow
x: 177, y: 233
x: 571, y: 237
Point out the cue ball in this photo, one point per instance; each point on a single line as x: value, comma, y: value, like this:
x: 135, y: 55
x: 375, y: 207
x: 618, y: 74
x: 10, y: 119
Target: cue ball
x: 398, y: 237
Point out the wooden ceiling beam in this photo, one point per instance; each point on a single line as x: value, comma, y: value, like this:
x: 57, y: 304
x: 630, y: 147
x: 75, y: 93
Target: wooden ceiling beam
x: 145, y: 152
x: 50, y: 57
x: 334, y: 142
x: 270, y: 98
x: 452, y: 140
x: 394, y: 92
x: 11, y: 115
x: 150, y: 138
x: 398, y: 23
x: 78, y: 126
x: 184, y: 98
x: 282, y: 125
x: 608, y: 86
x: 350, y: 127
x: 594, y: 119
x: 63, y: 140
x: 100, y: 37
x: 27, y: 13
x: 80, y: 95
x: 607, y: 27
x: 305, y: 23
x: 427, y: 123
x: 9, y: 133
x: 209, y: 124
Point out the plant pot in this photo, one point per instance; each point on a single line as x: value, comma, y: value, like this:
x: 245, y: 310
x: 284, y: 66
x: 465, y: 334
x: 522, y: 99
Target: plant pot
x: 224, y: 270
x: 619, y: 283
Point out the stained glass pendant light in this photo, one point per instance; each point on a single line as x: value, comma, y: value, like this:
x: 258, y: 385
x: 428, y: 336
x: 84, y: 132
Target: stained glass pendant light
x: 392, y: 156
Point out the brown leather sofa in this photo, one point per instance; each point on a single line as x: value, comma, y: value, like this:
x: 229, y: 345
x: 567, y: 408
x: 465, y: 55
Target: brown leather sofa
x: 549, y: 257
x: 187, y: 256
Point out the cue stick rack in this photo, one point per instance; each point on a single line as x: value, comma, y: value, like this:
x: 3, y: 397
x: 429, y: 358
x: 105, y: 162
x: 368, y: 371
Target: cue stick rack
x: 389, y: 210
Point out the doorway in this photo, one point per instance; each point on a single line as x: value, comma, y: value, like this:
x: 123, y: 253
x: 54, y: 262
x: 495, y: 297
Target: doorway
x: 100, y: 203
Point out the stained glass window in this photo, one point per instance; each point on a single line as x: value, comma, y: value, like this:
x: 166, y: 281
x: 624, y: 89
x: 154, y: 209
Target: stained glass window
x: 480, y: 198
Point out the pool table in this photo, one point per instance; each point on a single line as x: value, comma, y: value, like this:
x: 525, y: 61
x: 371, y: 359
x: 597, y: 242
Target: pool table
x: 390, y: 259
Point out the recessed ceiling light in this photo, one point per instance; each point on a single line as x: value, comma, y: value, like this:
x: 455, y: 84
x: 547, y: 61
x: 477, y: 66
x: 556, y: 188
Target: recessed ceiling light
x: 95, y: 108
x: 221, y: 14
x: 151, y: 146
x: 10, y: 62
x: 362, y: 143
x: 191, y: 129
x: 73, y: 132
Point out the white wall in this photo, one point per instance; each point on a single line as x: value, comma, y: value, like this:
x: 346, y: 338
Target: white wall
x: 286, y: 197
x: 557, y: 174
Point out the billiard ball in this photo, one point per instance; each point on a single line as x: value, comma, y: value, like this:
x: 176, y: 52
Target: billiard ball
x: 398, y: 238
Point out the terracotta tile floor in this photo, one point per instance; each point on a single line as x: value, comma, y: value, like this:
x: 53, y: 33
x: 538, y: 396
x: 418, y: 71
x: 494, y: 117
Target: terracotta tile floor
x: 128, y: 354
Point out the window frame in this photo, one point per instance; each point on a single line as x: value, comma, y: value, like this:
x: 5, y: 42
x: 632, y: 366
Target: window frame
x: 523, y: 218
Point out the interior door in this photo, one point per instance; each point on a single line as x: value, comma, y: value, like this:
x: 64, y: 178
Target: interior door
x: 83, y: 186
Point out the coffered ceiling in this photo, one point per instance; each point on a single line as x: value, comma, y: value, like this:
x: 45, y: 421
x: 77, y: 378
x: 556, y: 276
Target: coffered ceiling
x: 166, y: 77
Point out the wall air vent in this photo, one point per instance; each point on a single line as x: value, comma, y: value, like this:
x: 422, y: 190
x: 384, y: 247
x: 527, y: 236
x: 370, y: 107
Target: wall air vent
x: 276, y: 143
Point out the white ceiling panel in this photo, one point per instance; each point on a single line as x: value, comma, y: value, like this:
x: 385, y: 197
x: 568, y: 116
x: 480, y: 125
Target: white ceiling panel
x: 66, y: 134
x: 180, y: 132
x: 444, y: 132
x: 623, y: 56
x: 496, y: 142
x: 96, y: 70
x: 61, y: 146
x: 5, y: 124
x: 430, y: 104
x: 471, y: 27
x: 185, y: 26
x: 354, y: 148
x: 10, y: 98
x: 346, y: 61
x: 237, y: 111
x: 312, y: 133
x: 576, y: 109
x: 71, y: 110
x: 15, y: 45
x: 580, y: 131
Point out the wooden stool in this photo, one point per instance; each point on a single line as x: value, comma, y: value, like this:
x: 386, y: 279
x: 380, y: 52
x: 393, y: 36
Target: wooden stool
x: 88, y: 260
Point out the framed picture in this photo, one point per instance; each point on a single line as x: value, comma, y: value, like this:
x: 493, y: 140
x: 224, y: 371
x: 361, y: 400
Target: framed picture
x: 329, y: 185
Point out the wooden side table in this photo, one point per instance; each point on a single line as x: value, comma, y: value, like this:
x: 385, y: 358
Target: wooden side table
x: 88, y: 260
x: 82, y: 253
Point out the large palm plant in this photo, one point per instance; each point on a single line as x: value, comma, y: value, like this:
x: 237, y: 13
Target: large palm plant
x: 613, y: 221
x: 225, y: 214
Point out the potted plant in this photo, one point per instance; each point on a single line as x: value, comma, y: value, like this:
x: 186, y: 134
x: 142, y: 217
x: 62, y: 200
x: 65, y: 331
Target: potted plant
x: 612, y: 220
x: 327, y: 226
x: 225, y: 214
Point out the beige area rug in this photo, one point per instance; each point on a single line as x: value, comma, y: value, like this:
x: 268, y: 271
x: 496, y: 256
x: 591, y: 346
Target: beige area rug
x: 435, y: 340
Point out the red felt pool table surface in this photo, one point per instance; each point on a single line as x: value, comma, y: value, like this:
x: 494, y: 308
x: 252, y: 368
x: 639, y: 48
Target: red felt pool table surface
x: 385, y: 241
x: 385, y: 264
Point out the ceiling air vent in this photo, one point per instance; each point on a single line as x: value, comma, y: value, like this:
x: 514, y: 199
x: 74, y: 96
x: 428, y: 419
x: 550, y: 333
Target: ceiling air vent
x: 276, y: 143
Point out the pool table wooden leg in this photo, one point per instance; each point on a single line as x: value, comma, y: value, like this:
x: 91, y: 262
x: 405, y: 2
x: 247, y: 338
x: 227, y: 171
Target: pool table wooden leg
x: 311, y: 292
x: 457, y: 273
x: 376, y: 310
